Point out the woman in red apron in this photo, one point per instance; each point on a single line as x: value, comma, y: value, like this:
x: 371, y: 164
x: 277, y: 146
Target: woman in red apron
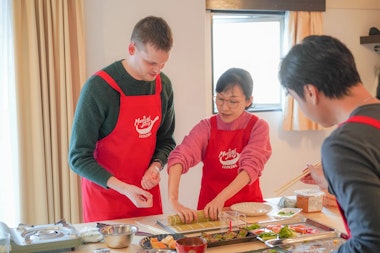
x: 233, y: 147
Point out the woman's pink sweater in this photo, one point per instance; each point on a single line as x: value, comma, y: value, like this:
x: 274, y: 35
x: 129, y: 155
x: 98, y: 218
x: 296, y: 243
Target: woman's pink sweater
x: 252, y: 158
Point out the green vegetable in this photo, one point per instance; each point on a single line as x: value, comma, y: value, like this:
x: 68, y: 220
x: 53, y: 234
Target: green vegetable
x: 229, y: 235
x: 242, y: 233
x: 253, y: 226
x: 268, y: 235
x: 290, y: 213
x: 286, y: 232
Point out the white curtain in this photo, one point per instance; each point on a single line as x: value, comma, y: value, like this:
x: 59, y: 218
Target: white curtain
x: 300, y: 25
x: 9, y: 190
x: 50, y: 65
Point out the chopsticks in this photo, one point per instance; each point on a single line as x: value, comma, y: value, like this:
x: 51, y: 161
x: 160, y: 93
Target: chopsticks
x: 295, y: 180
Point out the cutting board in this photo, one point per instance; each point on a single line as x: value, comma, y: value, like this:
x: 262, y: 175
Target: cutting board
x: 193, y: 227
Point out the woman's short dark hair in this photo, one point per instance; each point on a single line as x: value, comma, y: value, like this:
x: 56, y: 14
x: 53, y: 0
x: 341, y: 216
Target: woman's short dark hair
x: 236, y: 76
x: 322, y: 61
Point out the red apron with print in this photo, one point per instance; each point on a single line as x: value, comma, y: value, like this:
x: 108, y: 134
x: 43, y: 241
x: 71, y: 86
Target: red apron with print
x: 126, y: 153
x: 221, y: 165
x: 363, y: 120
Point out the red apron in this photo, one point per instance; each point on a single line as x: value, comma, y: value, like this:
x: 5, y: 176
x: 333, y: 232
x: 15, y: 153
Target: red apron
x: 126, y: 153
x: 221, y: 165
x: 363, y: 120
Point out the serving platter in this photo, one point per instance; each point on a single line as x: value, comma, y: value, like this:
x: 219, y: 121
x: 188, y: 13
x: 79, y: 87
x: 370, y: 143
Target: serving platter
x: 222, y: 240
x: 302, y: 238
x: 315, y: 246
x: 252, y: 208
x: 302, y: 229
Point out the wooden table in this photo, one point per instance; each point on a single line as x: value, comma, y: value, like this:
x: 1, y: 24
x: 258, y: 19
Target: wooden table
x: 329, y: 217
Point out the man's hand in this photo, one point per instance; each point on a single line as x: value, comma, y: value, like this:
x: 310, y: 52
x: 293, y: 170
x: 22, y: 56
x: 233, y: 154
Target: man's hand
x: 151, y: 177
x: 316, y: 176
x: 139, y: 197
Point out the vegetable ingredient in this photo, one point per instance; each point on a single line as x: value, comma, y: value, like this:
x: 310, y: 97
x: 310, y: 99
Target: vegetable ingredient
x: 253, y: 226
x: 286, y: 232
x: 268, y: 235
x: 290, y: 213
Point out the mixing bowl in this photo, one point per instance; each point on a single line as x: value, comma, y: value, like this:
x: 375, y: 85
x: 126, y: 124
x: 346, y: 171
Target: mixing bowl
x: 118, y: 235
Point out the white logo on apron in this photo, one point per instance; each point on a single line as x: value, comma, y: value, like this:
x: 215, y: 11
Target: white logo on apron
x: 144, y: 126
x: 228, y: 159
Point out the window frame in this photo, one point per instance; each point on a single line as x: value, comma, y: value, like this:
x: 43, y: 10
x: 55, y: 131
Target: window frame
x: 267, y: 15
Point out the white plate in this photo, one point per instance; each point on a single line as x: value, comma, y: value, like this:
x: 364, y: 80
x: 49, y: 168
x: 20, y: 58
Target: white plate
x: 252, y: 208
x: 285, y: 213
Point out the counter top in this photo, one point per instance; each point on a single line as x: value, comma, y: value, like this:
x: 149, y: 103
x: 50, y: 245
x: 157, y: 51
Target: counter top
x: 329, y: 216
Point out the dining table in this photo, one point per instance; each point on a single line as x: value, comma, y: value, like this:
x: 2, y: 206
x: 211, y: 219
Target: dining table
x: 328, y: 216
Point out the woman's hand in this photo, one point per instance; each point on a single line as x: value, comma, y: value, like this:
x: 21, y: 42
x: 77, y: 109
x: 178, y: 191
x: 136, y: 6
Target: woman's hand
x: 186, y: 214
x: 214, y: 208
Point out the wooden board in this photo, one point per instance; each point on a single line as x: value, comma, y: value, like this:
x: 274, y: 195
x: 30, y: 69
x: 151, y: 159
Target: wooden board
x: 193, y: 227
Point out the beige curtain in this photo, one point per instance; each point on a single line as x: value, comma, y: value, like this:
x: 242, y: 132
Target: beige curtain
x: 301, y: 24
x: 50, y: 69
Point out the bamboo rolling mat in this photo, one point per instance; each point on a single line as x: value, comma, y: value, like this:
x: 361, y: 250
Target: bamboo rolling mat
x: 173, y: 224
x: 197, y: 226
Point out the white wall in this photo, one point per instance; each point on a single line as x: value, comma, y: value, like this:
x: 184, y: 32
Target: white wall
x: 108, y: 27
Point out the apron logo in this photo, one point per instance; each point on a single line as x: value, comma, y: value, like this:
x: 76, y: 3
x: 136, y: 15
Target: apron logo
x: 228, y: 159
x: 144, y: 126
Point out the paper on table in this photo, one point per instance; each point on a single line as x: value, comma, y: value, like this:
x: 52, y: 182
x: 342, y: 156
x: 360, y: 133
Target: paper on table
x: 156, y: 230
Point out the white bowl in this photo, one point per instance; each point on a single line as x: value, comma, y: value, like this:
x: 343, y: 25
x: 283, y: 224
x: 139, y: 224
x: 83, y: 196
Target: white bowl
x: 252, y: 208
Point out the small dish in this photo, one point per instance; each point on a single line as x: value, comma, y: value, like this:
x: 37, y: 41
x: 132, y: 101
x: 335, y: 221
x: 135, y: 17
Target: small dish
x: 252, y: 208
x: 287, y: 212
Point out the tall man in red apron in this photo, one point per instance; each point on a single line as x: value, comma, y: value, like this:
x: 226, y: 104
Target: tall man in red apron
x: 320, y: 74
x: 123, y: 129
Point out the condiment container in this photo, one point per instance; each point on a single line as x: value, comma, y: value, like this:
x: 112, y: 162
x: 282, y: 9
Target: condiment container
x: 310, y: 200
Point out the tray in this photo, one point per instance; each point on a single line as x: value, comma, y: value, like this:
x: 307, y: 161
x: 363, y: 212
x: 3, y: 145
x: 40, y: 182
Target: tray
x: 315, y: 246
x: 303, y: 238
x: 249, y: 237
x: 314, y: 230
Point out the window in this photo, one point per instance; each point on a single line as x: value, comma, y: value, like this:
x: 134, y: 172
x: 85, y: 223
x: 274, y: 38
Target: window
x: 252, y: 41
x: 9, y: 193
